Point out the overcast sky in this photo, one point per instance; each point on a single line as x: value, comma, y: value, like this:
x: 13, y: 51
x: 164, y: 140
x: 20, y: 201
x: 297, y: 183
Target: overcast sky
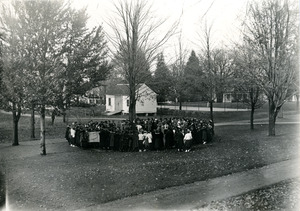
x: 224, y: 15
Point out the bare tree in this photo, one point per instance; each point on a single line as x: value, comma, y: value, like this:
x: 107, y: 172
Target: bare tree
x: 245, y: 67
x: 296, y: 83
x: 178, y: 67
x: 222, y: 71
x: 208, y: 83
x: 135, y: 45
x: 272, y: 30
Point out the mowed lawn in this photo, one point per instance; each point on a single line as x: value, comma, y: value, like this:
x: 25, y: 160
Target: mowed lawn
x: 69, y: 178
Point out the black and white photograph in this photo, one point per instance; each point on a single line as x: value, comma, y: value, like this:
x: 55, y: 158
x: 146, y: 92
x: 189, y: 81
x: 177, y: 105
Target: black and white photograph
x: 145, y: 105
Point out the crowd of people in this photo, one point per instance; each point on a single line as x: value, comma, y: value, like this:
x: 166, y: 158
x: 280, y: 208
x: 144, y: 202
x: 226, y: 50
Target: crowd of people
x: 143, y: 134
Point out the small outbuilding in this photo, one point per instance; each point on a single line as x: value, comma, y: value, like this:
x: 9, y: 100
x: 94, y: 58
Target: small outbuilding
x: 117, y: 99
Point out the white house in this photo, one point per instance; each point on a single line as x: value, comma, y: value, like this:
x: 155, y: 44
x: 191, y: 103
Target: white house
x: 117, y: 99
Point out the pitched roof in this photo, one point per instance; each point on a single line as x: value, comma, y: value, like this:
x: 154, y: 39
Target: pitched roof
x: 120, y: 89
x: 117, y: 89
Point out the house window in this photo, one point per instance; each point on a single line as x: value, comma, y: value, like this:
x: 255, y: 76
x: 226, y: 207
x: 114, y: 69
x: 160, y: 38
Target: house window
x: 109, y: 101
x: 127, y: 102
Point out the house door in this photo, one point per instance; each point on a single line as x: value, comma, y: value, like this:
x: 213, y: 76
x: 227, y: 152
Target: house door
x: 118, y: 106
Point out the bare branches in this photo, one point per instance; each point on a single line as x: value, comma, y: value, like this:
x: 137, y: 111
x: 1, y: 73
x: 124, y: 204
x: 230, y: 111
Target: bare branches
x: 138, y: 32
x: 271, y: 31
x: 136, y: 42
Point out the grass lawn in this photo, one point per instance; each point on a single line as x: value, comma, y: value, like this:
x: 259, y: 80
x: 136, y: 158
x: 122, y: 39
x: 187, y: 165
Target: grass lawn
x: 6, y: 125
x: 69, y: 178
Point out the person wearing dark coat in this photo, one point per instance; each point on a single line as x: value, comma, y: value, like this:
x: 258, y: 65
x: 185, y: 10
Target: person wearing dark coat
x: 204, y: 134
x: 178, y: 137
x: 169, y: 136
x: 198, y: 135
x: 104, y: 138
x: 117, y: 139
x: 112, y: 139
x: 158, y: 139
x: 135, y: 141
x: 122, y: 141
x: 77, y: 137
x: 130, y: 140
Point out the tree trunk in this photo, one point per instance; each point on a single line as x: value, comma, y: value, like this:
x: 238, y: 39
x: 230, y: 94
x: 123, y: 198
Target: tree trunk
x: 42, y: 132
x: 15, y: 133
x: 16, y: 117
x: 32, y: 122
x: 272, y: 118
x: 211, y: 110
x: 132, y: 103
x: 64, y: 117
x: 297, y: 104
x: 15, y: 130
x: 252, y: 117
x: 180, y: 104
x: 53, y: 114
x: 132, y: 111
x: 64, y: 113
